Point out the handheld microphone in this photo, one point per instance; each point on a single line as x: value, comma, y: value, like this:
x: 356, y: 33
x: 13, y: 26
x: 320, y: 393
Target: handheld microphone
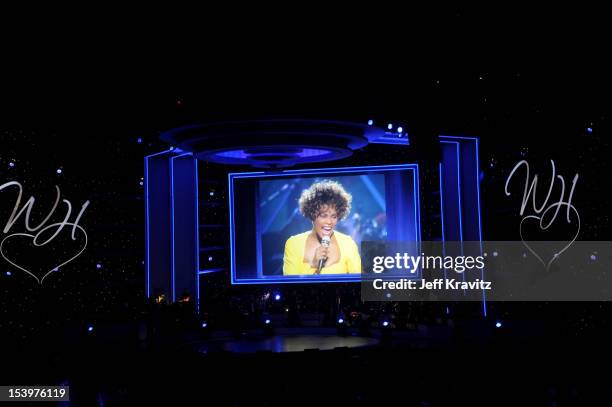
x: 325, y: 241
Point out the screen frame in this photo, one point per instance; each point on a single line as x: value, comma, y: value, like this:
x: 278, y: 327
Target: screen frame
x: 302, y: 279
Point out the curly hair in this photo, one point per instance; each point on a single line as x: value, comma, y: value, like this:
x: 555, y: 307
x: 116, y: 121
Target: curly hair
x: 325, y: 192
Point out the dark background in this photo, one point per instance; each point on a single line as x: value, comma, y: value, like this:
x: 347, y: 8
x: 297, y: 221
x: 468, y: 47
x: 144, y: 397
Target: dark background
x: 527, y: 90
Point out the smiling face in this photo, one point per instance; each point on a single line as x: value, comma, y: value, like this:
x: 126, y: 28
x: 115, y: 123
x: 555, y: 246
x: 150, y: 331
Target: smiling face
x: 326, y: 221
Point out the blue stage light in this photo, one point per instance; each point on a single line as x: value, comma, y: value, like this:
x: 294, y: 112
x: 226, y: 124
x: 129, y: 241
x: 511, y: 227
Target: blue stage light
x: 370, y: 122
x: 277, y: 297
x: 8, y: 273
x: 211, y: 193
x: 139, y: 140
x: 589, y: 130
x: 98, y: 266
x: 267, y: 322
x: 59, y: 170
x: 11, y: 164
x: 90, y: 328
x: 204, y: 324
x: 389, y: 126
x: 593, y: 257
x: 385, y: 323
x: 400, y: 129
x: 340, y: 320
x: 498, y: 324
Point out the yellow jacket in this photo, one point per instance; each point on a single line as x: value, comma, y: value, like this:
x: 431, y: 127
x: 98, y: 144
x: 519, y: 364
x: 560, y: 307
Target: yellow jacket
x: 293, y: 261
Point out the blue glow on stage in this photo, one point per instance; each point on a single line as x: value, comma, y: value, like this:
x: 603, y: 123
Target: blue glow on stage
x: 170, y: 183
x: 208, y: 271
x: 289, y: 152
x: 467, y: 149
x: 263, y: 214
x: 442, y: 216
x: 197, y: 234
x: 172, y: 228
x: 148, y: 221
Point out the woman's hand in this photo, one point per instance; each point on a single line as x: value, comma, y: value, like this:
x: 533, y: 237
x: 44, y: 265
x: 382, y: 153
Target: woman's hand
x: 320, y: 253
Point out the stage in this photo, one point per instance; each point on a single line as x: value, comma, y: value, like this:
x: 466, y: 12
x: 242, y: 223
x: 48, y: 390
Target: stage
x: 296, y: 340
x: 286, y: 343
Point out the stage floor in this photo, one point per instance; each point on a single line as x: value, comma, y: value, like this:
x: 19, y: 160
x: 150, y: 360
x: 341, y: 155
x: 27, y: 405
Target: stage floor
x: 287, y: 343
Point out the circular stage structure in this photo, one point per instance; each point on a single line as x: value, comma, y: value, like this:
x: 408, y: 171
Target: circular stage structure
x: 272, y: 143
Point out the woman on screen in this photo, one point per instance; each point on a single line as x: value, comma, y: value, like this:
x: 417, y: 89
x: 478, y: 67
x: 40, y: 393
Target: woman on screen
x: 322, y: 250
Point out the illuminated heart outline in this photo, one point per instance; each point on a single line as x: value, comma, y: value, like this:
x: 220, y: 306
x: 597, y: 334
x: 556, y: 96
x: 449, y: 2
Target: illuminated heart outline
x: 40, y: 281
x: 556, y: 255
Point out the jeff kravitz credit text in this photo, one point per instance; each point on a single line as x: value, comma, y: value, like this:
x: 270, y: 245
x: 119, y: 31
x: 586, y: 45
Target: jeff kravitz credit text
x: 436, y: 284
